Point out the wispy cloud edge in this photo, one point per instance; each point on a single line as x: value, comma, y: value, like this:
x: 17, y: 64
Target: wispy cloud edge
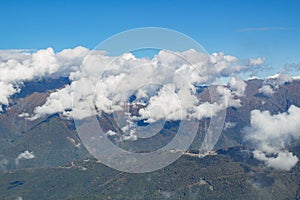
x: 278, y: 28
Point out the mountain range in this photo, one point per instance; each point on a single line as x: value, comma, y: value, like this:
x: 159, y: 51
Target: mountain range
x: 45, y: 158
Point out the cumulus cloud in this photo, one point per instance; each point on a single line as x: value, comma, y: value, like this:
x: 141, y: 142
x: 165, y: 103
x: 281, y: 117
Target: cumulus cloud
x: 228, y: 97
x: 57, y: 102
x: 102, y: 83
x: 271, y: 83
x: 266, y: 90
x: 111, y: 133
x: 283, y: 160
x: 25, y: 155
x: 164, y: 86
x: 238, y: 86
x: 24, y: 115
x: 278, y: 79
x: 18, y: 66
x: 271, y: 135
x: 6, y: 91
x: 123, y: 76
x: 256, y: 61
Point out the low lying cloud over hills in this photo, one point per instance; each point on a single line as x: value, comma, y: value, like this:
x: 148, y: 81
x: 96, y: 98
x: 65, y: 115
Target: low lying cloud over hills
x: 19, y: 66
x: 271, y: 134
x: 162, y: 87
x: 168, y: 73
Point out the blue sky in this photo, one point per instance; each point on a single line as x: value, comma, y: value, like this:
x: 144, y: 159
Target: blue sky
x: 269, y: 29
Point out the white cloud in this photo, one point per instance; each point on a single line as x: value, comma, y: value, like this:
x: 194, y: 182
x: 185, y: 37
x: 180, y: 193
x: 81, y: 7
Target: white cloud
x: 274, y: 82
x: 125, y: 75
x: 166, y: 104
x: 283, y: 160
x: 238, y: 86
x: 57, y: 102
x: 6, y: 91
x: 207, y: 109
x: 111, y: 133
x: 278, y: 79
x: 25, y: 155
x: 23, y: 115
x: 266, y: 90
x: 256, y: 61
x: 272, y: 133
x: 17, y: 66
x: 227, y: 97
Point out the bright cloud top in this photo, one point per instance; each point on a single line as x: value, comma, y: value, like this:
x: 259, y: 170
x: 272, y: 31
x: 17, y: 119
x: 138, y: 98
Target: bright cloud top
x: 18, y: 66
x: 25, y: 155
x: 272, y: 133
x: 163, y: 87
x: 107, y: 83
